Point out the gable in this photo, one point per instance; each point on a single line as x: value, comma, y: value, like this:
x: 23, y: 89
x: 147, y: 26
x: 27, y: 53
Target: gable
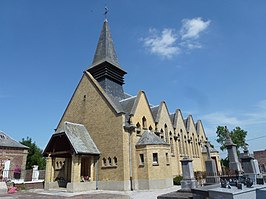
x: 164, y: 118
x: 179, y: 122
x: 201, y: 131
x: 190, y: 125
x: 142, y: 109
x: 87, y: 97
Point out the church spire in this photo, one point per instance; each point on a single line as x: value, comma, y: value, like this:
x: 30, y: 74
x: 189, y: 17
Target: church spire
x: 105, y: 50
x: 105, y: 67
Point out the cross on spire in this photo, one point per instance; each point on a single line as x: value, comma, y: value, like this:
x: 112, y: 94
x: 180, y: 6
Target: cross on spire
x: 105, y: 12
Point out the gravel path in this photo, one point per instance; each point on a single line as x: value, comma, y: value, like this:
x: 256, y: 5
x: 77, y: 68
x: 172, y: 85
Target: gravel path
x: 94, y: 194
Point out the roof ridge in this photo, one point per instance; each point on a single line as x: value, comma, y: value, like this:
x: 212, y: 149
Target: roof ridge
x: 122, y: 100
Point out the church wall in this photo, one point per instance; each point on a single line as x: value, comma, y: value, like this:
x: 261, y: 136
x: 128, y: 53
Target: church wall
x: 89, y: 107
x: 147, y: 176
x: 152, y: 174
x: 181, y: 132
x: 142, y: 110
x: 164, y: 119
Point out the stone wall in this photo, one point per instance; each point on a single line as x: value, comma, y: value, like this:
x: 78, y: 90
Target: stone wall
x: 261, y: 157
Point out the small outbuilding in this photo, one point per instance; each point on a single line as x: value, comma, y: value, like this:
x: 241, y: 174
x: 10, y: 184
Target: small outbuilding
x: 13, y: 156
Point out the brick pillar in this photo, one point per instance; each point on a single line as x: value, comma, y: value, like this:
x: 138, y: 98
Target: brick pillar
x: 92, y: 168
x: 75, y: 168
x: 49, y: 170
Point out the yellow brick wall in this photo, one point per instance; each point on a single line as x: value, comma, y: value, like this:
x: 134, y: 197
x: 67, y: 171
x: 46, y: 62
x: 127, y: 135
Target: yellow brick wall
x: 89, y: 107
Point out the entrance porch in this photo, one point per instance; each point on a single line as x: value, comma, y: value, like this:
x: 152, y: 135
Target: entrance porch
x: 72, y: 159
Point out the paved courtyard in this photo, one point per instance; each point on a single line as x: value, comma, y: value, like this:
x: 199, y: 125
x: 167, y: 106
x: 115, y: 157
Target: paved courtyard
x: 94, y: 194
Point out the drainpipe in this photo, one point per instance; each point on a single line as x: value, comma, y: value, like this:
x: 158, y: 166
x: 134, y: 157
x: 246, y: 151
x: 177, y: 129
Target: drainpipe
x: 130, y: 130
x: 130, y: 160
x: 97, y: 173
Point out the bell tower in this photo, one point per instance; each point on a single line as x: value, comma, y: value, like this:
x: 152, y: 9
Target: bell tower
x: 105, y: 67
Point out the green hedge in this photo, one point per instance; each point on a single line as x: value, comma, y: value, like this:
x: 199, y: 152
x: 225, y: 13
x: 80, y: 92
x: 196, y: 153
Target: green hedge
x: 177, y: 180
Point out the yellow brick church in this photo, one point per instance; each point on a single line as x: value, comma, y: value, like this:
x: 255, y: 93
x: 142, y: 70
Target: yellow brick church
x: 108, y: 139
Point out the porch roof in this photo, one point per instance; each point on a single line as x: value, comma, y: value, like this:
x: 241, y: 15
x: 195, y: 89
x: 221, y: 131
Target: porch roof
x: 77, y: 137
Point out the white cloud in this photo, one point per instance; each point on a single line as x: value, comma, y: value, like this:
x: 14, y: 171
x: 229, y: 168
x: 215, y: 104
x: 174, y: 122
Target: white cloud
x: 249, y: 119
x: 221, y: 119
x: 163, y: 43
x: 168, y: 43
x: 191, y: 28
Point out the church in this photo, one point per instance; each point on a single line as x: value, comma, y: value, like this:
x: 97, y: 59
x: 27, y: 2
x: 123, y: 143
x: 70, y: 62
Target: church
x: 110, y: 140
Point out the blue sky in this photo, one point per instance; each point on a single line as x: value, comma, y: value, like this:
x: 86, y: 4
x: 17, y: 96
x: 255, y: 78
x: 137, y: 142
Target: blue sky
x: 205, y: 57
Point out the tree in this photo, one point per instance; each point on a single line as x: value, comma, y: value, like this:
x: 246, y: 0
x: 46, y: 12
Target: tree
x: 35, y: 154
x: 237, y: 135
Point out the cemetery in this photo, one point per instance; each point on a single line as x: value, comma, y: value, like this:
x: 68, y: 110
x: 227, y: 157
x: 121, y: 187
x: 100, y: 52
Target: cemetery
x: 243, y: 181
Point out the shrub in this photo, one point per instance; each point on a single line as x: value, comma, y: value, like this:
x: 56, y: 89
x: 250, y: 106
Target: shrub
x: 177, y: 180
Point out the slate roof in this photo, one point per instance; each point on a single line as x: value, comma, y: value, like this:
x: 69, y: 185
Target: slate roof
x: 154, y: 111
x: 149, y: 138
x: 127, y: 105
x: 105, y: 50
x: 113, y: 101
x: 172, y: 118
x: 79, y: 138
x: 6, y: 141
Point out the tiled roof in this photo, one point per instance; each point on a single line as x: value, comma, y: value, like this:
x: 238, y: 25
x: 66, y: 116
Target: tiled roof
x: 6, y: 141
x: 79, y: 138
x: 149, y: 138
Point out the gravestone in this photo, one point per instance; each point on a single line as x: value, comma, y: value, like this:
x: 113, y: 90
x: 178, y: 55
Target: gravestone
x: 3, y: 187
x: 35, y: 173
x: 256, y: 167
x: 189, y: 182
x: 250, y: 167
x: 234, y: 164
x: 211, y: 171
x: 247, y: 162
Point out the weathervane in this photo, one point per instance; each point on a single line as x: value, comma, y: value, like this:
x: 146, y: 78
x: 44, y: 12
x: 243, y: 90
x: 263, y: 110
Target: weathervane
x: 105, y: 12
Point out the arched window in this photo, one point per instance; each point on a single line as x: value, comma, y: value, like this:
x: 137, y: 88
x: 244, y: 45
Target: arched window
x: 166, y: 133
x: 104, y: 162
x: 144, y: 123
x: 150, y: 128
x: 167, y: 159
x: 138, y: 128
x: 115, y: 161
x: 172, y: 145
x: 110, y: 161
x: 162, y: 134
